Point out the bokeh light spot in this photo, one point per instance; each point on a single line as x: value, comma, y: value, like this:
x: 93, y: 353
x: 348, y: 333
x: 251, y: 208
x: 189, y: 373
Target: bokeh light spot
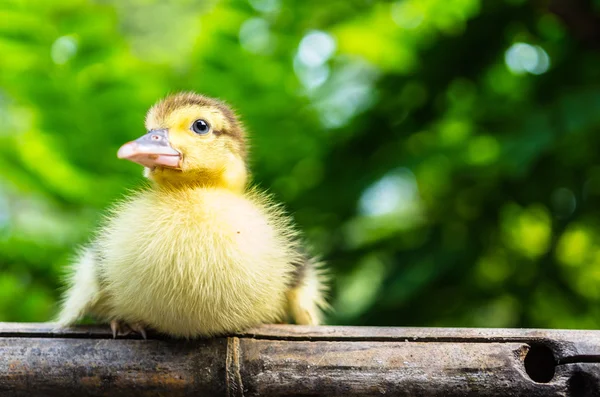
x: 493, y: 269
x: 311, y: 77
x: 4, y: 211
x: 63, y: 49
x: 523, y: 57
x: 316, y: 48
x: 348, y: 91
x: 360, y: 289
x: 407, y: 15
x: 265, y: 5
x: 453, y: 132
x: 483, y: 150
x: 574, y: 246
x: 527, y: 230
x: 395, y: 192
x: 255, y: 36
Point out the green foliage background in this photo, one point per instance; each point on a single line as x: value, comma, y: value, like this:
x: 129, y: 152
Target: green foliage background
x: 448, y: 174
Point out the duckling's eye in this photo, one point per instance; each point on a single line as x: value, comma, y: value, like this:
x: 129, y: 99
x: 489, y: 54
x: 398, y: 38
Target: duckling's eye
x: 200, y: 127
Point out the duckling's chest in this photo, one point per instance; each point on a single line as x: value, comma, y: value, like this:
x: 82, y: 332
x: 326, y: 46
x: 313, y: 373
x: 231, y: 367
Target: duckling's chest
x: 195, y: 254
x: 192, y: 228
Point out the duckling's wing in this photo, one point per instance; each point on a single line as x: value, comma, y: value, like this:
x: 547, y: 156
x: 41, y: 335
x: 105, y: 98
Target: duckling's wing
x: 83, y: 290
x: 306, y: 296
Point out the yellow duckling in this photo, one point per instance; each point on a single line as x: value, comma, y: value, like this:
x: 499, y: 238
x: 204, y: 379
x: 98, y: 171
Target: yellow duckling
x: 198, y: 253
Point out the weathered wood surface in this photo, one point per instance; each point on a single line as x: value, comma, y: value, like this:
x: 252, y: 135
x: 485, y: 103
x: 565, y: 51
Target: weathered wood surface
x: 284, y: 360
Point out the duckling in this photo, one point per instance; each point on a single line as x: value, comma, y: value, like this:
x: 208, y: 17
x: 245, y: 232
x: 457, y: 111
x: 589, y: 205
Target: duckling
x: 198, y: 252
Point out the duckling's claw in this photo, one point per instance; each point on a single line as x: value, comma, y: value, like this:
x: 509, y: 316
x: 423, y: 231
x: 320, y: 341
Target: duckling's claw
x: 119, y: 328
x: 139, y: 328
x: 113, y: 328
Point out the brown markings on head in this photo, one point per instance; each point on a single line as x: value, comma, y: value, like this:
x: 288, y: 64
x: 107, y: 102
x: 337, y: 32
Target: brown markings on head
x: 160, y: 112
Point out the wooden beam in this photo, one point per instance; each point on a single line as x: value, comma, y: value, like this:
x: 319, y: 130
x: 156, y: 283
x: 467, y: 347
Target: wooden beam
x: 285, y: 360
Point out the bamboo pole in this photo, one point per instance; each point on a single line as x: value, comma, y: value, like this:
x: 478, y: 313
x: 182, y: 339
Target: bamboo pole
x: 285, y: 360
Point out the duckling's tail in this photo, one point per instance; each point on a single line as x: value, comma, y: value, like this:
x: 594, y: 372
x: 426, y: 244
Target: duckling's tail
x: 307, y: 296
x: 82, y: 292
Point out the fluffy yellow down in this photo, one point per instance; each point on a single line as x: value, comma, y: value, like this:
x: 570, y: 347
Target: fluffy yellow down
x: 196, y: 254
x: 195, y: 261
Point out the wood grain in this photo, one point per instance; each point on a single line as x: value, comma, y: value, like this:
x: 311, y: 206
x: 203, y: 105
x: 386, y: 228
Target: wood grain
x: 285, y: 360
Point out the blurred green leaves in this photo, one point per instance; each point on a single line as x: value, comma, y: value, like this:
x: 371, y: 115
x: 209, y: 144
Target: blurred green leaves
x: 440, y: 155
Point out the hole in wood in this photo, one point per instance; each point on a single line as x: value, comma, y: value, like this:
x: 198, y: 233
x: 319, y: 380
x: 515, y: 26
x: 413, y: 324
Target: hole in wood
x: 540, y: 363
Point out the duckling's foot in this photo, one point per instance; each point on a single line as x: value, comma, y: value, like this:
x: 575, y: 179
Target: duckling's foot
x: 120, y: 328
x: 139, y: 328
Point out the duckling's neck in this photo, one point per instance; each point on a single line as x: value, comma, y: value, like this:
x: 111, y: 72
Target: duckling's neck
x: 230, y: 178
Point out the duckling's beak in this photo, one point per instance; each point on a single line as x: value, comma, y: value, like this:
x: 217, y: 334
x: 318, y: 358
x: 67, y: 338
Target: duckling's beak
x: 151, y: 150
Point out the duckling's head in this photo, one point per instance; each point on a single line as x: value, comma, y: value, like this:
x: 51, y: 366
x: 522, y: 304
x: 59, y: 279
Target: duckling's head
x: 191, y: 140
